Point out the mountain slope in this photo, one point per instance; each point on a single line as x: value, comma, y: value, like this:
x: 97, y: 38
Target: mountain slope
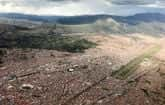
x: 149, y: 23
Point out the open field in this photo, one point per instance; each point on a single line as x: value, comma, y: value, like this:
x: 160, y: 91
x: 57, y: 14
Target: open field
x: 50, y: 77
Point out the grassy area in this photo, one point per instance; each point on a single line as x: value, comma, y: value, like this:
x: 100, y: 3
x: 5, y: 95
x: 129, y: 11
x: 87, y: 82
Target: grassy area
x: 131, y: 67
x: 62, y: 43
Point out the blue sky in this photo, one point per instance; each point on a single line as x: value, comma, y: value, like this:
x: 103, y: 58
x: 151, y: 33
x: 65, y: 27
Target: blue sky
x: 80, y: 7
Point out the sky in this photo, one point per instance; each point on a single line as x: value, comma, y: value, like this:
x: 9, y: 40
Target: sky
x: 82, y: 7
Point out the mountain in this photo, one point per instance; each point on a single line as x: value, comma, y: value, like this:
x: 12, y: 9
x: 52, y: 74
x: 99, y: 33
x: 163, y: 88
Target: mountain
x: 133, y: 20
x: 88, y: 19
x: 30, y: 17
x: 150, y: 23
x: 145, y: 17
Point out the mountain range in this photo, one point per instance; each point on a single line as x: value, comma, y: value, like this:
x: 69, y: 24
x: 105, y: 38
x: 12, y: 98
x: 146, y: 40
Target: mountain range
x: 150, y: 23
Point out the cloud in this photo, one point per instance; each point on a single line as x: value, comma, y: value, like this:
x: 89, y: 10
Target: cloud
x: 48, y: 7
x: 79, y: 7
x: 136, y: 2
x: 132, y: 2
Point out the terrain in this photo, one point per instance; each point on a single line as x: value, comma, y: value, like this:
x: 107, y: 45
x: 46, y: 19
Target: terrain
x: 145, y: 23
x: 106, y: 60
x: 109, y: 70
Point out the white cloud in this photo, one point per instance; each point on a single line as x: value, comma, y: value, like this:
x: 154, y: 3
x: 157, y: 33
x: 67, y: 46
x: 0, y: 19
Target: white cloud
x: 53, y: 8
x: 78, y: 7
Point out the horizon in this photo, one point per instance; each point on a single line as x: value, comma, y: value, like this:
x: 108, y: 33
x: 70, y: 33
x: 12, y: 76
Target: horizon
x: 15, y: 13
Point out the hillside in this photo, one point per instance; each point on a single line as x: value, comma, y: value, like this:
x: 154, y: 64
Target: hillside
x: 149, y: 23
x: 43, y: 63
x: 120, y: 70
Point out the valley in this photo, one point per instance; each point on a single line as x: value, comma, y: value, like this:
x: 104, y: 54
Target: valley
x: 82, y: 52
x: 82, y: 60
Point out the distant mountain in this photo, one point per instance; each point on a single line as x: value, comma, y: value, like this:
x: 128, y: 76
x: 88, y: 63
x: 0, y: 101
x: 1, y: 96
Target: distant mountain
x: 138, y: 18
x: 88, y: 19
x: 85, y: 19
x: 150, y: 23
x: 30, y: 17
